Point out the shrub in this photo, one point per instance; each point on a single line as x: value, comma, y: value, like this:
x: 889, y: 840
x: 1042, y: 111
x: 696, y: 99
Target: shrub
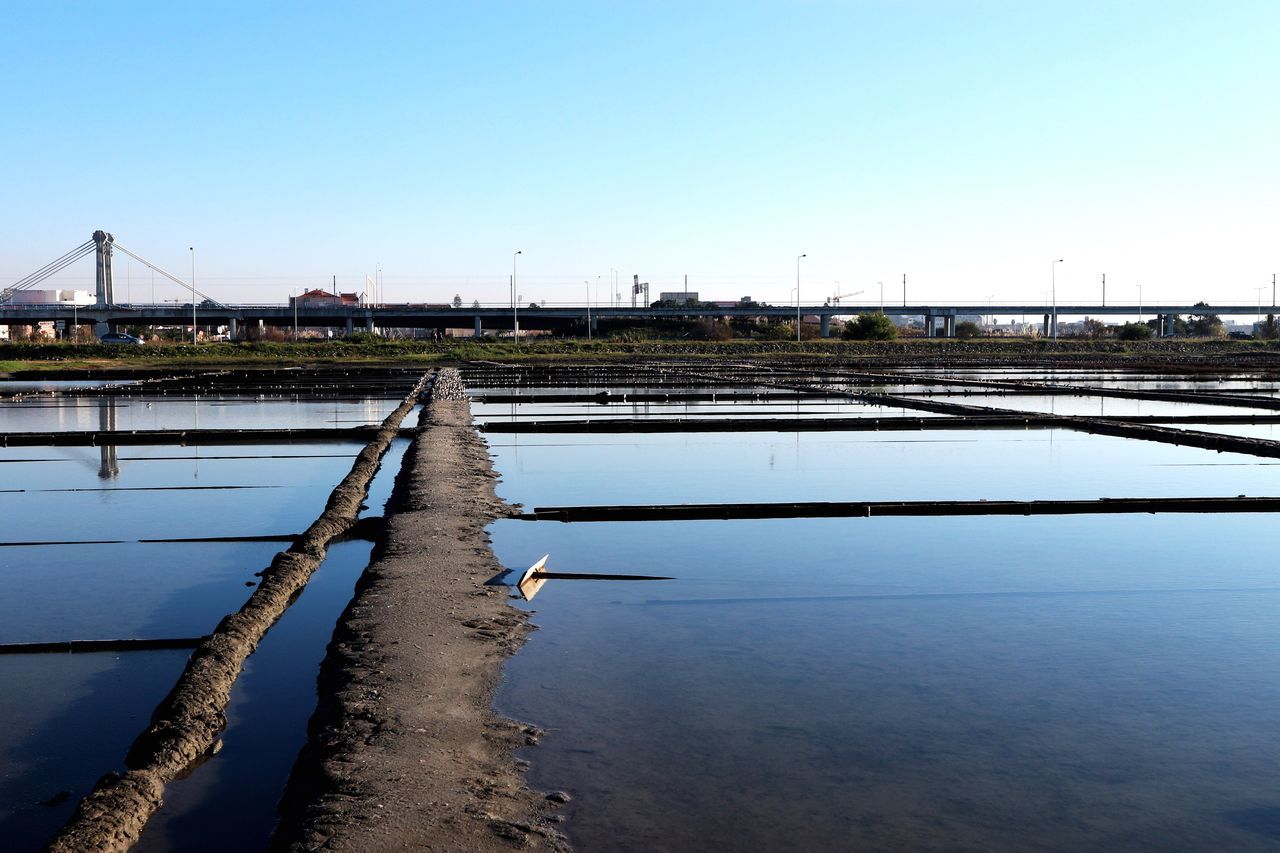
x: 1134, y: 332
x: 968, y: 329
x: 870, y: 327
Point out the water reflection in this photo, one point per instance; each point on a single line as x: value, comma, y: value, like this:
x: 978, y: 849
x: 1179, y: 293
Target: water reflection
x: 110, y: 467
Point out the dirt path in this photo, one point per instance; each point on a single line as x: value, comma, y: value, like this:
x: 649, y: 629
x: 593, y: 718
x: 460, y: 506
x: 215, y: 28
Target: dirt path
x: 404, y: 748
x: 185, y: 727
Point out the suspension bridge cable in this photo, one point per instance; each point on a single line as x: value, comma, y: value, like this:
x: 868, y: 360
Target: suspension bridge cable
x: 46, y: 271
x: 52, y: 267
x: 169, y: 276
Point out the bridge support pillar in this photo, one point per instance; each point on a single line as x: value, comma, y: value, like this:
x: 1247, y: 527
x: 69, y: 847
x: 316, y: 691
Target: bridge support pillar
x: 351, y: 326
x: 368, y: 324
x: 105, y: 294
x: 928, y: 325
x: 825, y: 326
x: 1168, y: 324
x: 101, y: 327
x: 1046, y: 325
x: 479, y: 330
x: 949, y: 326
x: 234, y: 327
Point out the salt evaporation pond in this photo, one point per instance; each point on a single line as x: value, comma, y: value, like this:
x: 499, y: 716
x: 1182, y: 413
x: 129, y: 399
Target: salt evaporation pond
x: 1064, y: 682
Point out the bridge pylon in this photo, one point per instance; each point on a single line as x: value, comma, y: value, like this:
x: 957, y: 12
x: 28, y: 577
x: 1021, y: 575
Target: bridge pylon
x: 105, y: 292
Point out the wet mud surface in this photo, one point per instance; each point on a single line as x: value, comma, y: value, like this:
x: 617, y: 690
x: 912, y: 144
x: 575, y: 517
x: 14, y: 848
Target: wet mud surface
x: 405, y: 750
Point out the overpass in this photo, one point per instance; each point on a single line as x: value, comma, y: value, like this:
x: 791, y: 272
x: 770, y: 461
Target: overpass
x: 939, y: 318
x: 107, y: 314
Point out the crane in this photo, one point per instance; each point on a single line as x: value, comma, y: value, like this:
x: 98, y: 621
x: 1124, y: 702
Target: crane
x: 836, y: 298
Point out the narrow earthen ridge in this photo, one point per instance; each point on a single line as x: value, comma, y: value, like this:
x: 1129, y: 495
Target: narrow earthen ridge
x: 405, y: 750
x: 186, y: 725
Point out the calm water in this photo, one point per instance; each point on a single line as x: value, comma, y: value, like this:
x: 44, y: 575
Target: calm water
x: 67, y: 719
x: 554, y: 470
x: 1063, y: 683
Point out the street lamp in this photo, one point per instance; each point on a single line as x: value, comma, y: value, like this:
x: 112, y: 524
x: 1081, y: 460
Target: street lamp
x: 587, y: 284
x: 515, y: 315
x: 1053, y: 283
x: 1258, y: 291
x: 1139, y: 303
x: 881, y: 283
x: 193, y: 293
x: 798, y: 257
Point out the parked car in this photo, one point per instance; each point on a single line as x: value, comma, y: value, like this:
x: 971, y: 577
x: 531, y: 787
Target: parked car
x: 120, y: 338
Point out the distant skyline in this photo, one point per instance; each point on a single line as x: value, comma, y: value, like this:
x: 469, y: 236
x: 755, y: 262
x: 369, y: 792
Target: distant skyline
x: 966, y: 144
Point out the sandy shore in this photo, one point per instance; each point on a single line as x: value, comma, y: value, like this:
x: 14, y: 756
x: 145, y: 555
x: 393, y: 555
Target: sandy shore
x: 404, y: 748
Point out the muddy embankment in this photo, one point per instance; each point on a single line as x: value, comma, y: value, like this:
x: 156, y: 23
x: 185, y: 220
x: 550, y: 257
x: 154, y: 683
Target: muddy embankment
x: 186, y: 725
x: 404, y: 749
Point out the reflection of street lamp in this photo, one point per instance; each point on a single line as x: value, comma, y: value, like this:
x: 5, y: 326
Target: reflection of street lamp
x: 193, y: 294
x: 798, y: 257
x: 1053, y: 282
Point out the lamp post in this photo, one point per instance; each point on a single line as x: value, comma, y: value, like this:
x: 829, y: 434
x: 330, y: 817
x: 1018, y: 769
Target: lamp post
x: 515, y: 314
x: 881, y: 283
x: 294, y: 300
x: 1053, y: 284
x: 193, y: 294
x: 1258, y: 291
x: 1104, y: 290
x: 798, y: 257
x: 587, y: 284
x: 1139, y: 303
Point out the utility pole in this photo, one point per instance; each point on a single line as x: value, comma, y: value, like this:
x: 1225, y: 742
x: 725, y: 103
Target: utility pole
x: 515, y: 311
x: 588, y: 286
x: 904, y: 290
x: 193, y: 294
x: 798, y: 257
x: 1104, y: 290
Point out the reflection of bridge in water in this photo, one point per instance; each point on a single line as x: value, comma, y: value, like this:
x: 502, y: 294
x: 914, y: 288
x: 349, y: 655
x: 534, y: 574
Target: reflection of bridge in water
x: 110, y: 467
x: 106, y: 314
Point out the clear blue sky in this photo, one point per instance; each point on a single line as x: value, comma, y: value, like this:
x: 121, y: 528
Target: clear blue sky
x: 964, y: 143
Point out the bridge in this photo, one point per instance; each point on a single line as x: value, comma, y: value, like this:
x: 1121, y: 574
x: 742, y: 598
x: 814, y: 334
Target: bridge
x: 107, y: 314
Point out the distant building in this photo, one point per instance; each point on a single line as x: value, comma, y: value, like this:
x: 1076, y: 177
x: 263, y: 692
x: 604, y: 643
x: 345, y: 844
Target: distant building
x: 324, y: 299
x: 51, y: 297
x: 43, y: 297
x: 681, y: 297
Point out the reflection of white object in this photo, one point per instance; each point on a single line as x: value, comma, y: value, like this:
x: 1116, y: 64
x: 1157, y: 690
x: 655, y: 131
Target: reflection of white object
x: 528, y: 584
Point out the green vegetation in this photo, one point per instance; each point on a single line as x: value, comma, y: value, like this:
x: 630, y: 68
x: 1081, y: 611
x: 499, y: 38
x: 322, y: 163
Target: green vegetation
x: 870, y: 327
x: 49, y: 357
x: 968, y: 329
x: 1135, y: 332
x: 1205, y: 325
